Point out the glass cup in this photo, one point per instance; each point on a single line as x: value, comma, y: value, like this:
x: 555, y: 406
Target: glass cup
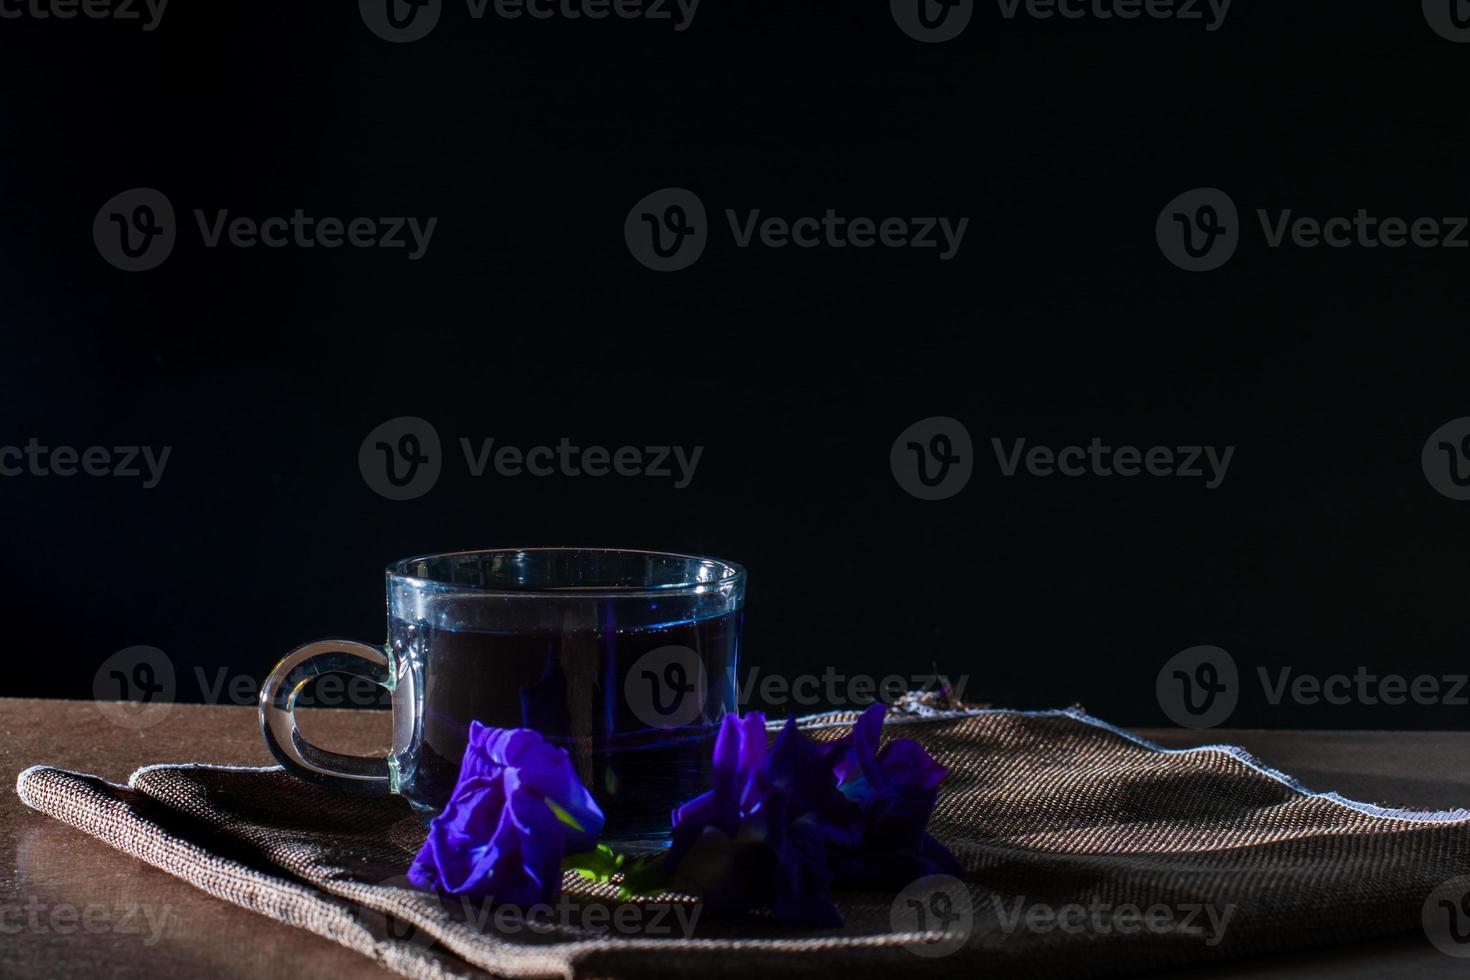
x: 626, y: 659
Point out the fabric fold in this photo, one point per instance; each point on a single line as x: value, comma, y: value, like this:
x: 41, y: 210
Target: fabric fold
x: 1087, y: 851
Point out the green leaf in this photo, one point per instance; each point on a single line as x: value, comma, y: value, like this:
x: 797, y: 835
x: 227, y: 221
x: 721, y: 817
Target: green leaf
x: 646, y: 875
x: 565, y: 817
x: 599, y: 864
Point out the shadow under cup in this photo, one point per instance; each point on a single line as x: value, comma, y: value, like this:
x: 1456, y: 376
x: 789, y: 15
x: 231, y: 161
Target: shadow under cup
x: 625, y: 659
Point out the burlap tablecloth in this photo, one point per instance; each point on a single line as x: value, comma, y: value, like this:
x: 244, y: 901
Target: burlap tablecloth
x: 1088, y: 852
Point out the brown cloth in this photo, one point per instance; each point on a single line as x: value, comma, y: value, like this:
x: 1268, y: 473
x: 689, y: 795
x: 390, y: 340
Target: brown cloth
x: 1088, y: 852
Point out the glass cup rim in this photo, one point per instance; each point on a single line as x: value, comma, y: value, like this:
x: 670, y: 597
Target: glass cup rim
x: 732, y: 575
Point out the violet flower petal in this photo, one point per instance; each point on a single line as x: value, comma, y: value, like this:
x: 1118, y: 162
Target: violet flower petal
x: 515, y: 812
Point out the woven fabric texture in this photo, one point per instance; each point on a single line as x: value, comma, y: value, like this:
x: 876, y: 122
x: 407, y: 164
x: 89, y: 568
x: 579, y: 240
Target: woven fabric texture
x: 1087, y: 852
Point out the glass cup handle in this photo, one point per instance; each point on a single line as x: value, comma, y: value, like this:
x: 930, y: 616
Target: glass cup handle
x: 354, y: 773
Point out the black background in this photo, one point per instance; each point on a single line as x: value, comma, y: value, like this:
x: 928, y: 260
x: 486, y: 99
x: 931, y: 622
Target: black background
x: 528, y: 321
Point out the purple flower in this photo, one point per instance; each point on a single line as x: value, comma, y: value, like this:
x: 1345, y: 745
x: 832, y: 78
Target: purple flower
x: 515, y: 812
x: 894, y: 789
x: 761, y: 836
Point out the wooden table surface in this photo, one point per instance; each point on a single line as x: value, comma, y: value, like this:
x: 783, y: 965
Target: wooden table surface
x: 72, y: 907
